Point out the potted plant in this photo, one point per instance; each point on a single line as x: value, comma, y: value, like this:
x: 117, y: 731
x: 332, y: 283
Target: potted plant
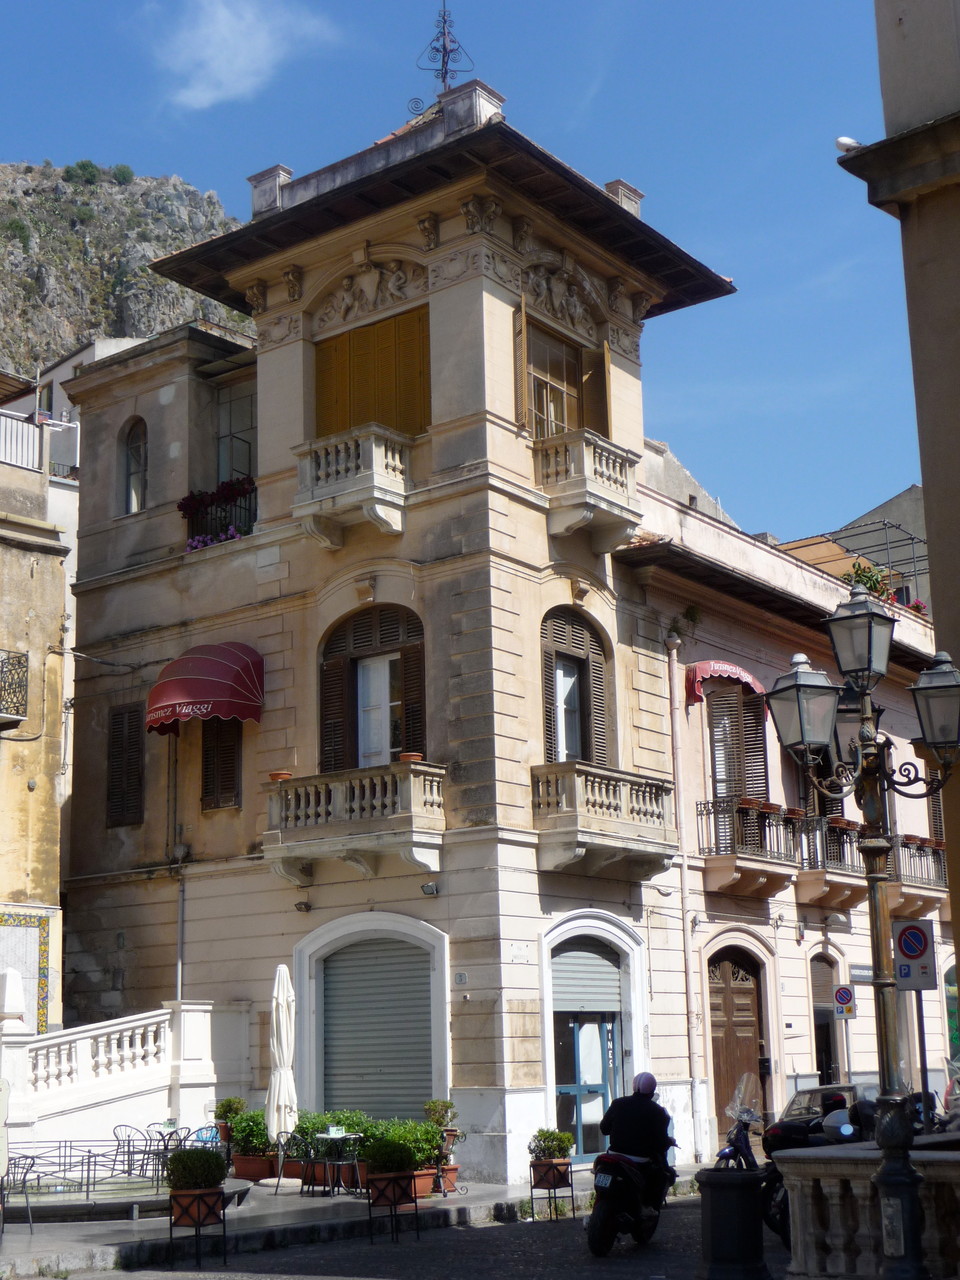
x: 391, y: 1172
x: 550, y: 1166
x: 442, y: 1113
x: 224, y: 1113
x: 250, y: 1146
x: 195, y: 1177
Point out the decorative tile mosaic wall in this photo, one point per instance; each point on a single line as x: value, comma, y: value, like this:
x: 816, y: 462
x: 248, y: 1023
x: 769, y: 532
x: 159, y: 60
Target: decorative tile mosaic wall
x: 25, y: 946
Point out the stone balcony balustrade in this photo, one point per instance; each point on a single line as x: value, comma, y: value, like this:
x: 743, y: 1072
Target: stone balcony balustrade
x: 358, y: 815
x: 588, y: 818
x: 835, y: 1223
x: 359, y: 475
x: 750, y: 847
x: 591, y: 484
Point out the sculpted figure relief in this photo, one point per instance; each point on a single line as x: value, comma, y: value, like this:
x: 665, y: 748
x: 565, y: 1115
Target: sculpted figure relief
x: 429, y: 228
x: 642, y: 302
x: 256, y: 296
x: 293, y: 279
x: 370, y: 286
x: 522, y: 235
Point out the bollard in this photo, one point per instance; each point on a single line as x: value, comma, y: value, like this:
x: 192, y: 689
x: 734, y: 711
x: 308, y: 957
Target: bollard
x: 731, y: 1225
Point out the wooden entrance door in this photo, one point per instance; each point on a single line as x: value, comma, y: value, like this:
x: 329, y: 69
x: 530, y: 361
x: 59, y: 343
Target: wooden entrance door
x: 735, y: 1026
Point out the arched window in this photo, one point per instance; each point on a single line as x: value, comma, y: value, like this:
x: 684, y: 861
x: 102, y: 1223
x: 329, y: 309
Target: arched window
x: 575, y: 702
x: 372, y: 689
x: 135, y: 468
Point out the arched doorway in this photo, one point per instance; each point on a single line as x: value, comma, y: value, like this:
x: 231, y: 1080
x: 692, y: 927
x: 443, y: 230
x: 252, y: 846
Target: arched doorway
x: 736, y: 1026
x: 823, y: 979
x: 587, y: 1008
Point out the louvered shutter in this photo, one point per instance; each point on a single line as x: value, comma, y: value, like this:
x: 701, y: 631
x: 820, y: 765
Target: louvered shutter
x: 333, y: 385
x: 935, y: 808
x: 563, y: 631
x: 220, y: 764
x: 822, y: 981
x: 337, y: 715
x: 596, y: 390
x: 377, y: 1044
x: 412, y: 345
x: 726, y: 742
x: 364, y: 400
x: 754, y: 746
x: 414, y: 735
x: 125, y: 744
x: 521, y: 371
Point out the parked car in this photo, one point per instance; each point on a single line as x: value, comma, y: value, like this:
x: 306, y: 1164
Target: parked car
x: 815, y: 1103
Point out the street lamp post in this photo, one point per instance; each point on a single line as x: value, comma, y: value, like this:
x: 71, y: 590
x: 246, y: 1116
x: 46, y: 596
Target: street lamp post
x: 803, y: 704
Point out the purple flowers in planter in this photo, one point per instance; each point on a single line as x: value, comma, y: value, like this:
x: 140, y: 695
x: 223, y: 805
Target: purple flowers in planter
x: 211, y: 540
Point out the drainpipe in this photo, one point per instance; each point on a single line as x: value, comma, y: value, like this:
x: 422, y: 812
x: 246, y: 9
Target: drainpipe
x: 673, y: 643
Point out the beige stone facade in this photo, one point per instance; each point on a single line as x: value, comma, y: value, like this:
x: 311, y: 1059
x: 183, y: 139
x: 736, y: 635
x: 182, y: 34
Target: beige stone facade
x: 503, y: 863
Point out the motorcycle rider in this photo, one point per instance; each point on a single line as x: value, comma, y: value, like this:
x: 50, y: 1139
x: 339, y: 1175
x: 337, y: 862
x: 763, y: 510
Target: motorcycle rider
x: 637, y: 1126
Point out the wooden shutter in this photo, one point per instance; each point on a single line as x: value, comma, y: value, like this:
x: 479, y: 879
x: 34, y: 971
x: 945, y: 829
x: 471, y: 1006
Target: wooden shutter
x: 376, y: 1036
x: 220, y: 766
x: 935, y: 808
x: 563, y: 631
x: 414, y: 735
x: 726, y: 741
x: 521, y: 372
x: 333, y: 385
x: 595, y: 414
x: 754, y: 745
x: 411, y: 340
x: 338, y: 714
x: 364, y: 398
x: 125, y: 746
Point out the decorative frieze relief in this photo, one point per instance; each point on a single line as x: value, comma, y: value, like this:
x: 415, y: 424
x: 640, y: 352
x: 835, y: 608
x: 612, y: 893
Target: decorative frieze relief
x: 256, y: 296
x: 559, y: 293
x: 368, y: 288
x: 481, y: 213
x: 626, y: 341
x: 522, y: 235
x: 293, y: 279
x: 429, y: 227
x: 479, y: 261
x: 279, y: 329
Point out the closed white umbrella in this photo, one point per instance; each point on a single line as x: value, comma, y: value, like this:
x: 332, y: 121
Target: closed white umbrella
x: 280, y: 1108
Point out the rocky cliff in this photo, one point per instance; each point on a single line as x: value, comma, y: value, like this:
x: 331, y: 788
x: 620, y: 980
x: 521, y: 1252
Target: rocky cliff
x: 75, y: 249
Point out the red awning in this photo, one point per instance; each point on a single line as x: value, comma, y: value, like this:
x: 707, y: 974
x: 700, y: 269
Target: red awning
x: 224, y: 680
x: 697, y: 672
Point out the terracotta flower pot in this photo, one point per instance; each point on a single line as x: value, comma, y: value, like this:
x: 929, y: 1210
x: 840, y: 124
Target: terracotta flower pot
x: 549, y: 1175
x: 201, y: 1208
x: 280, y: 775
x: 410, y: 757
x: 253, y: 1168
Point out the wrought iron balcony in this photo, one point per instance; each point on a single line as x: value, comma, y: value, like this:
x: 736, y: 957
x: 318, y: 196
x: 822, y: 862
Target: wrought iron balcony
x: 362, y: 474
x: 13, y: 687
x: 751, y: 847
x: 833, y: 873
x: 357, y: 815
x: 589, y: 817
x: 591, y: 484
x: 917, y: 868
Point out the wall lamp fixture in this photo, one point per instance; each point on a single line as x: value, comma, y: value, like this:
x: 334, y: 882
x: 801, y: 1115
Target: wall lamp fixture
x: 430, y: 889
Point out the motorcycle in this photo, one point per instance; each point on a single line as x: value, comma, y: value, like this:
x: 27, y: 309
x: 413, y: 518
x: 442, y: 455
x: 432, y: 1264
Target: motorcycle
x: 629, y: 1192
x: 745, y: 1111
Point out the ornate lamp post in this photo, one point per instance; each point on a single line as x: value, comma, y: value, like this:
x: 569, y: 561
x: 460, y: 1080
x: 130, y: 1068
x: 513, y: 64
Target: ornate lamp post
x: 803, y: 704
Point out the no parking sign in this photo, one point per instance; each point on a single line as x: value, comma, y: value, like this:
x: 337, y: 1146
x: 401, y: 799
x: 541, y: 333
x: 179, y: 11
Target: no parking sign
x: 843, y: 1002
x: 913, y: 956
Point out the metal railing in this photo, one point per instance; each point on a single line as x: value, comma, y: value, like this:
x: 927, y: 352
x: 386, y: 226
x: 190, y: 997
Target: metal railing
x: 830, y: 846
x: 14, y: 668
x: 747, y: 828
x: 20, y: 441
x: 239, y: 515
x: 915, y: 860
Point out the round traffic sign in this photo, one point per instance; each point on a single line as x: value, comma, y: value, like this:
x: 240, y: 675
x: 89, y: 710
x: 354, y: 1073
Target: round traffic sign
x: 911, y: 942
x: 843, y: 995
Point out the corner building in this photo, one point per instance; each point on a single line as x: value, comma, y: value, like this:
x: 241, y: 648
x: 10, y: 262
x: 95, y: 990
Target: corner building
x: 459, y: 723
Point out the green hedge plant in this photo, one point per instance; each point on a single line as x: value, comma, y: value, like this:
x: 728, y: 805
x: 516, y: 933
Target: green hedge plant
x: 195, y: 1169
x: 249, y: 1134
x: 227, y: 1109
x: 386, y: 1155
x: 550, y: 1144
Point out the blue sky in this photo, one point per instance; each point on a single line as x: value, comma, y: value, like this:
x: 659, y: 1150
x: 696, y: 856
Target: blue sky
x: 791, y: 401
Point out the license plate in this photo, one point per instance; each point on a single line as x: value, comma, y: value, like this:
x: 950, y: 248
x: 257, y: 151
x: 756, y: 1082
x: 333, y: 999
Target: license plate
x: 603, y: 1179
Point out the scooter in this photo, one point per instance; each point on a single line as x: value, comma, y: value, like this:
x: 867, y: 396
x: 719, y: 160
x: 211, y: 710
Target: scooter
x: 744, y: 1109
x: 628, y: 1192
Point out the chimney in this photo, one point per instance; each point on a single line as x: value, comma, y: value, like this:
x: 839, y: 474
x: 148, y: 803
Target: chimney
x: 625, y: 195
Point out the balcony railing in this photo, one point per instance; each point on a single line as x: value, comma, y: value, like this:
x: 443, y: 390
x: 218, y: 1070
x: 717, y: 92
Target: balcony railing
x: 358, y: 814
x: 13, y: 686
x: 594, y: 816
x: 220, y: 517
x: 915, y: 860
x: 747, y: 828
x: 831, y: 844
x: 20, y: 443
x: 360, y: 475
x: 589, y: 481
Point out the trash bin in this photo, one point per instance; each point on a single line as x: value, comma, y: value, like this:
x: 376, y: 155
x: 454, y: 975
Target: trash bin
x: 731, y: 1225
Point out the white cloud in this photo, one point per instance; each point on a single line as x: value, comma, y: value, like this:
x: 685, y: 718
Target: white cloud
x: 224, y: 50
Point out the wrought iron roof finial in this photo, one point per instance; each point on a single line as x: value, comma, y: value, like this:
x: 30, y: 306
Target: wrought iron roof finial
x: 443, y: 49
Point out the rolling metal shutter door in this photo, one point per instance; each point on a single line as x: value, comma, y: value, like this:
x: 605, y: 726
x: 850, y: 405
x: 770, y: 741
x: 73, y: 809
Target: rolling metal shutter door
x: 376, y: 1034
x: 586, y: 977
x: 823, y: 979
